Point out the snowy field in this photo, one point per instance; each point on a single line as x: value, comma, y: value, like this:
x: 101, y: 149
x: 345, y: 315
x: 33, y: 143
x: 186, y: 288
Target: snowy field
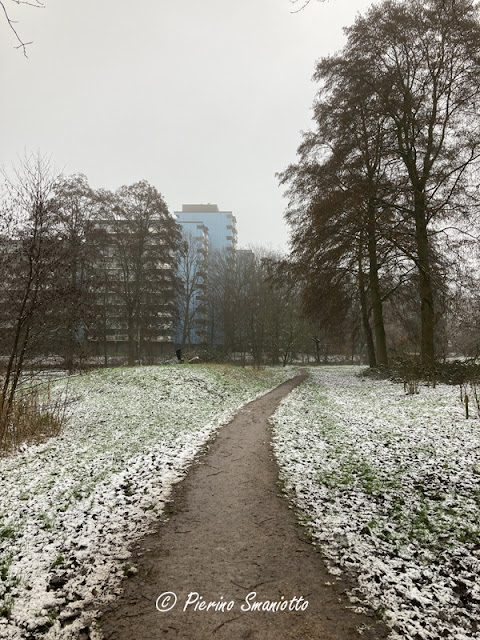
x: 389, y: 486
x: 70, y: 507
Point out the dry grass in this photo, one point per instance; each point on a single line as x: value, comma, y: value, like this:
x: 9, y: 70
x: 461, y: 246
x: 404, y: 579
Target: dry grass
x: 36, y: 415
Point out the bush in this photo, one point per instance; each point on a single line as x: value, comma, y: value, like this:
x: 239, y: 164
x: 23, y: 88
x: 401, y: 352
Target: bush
x: 35, y: 415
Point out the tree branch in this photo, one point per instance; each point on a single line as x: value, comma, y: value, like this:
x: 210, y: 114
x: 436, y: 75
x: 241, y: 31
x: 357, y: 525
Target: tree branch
x: 11, y: 23
x: 305, y: 4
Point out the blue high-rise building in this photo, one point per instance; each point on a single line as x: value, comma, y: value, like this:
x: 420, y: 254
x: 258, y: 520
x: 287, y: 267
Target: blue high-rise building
x: 221, y: 225
x: 192, y: 269
x: 213, y: 230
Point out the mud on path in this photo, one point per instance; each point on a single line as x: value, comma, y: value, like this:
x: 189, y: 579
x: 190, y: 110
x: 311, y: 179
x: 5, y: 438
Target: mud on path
x: 231, y: 532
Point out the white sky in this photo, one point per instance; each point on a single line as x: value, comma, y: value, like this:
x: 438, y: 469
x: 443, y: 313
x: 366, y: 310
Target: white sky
x: 205, y: 99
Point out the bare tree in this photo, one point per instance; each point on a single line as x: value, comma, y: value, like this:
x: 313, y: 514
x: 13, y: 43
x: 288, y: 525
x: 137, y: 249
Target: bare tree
x: 143, y: 244
x: 269, y: 326
x: 420, y: 62
x: 76, y: 206
x: 30, y: 257
x: 220, y: 301
x: 250, y: 308
x: 390, y: 168
x: 192, y: 271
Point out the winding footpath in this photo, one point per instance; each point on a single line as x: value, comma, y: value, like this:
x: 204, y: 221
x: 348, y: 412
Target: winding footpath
x: 230, y: 534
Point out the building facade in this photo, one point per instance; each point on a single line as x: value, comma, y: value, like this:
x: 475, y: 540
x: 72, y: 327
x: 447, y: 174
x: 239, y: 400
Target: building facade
x: 191, y: 326
x: 221, y: 225
x: 136, y: 289
x: 219, y: 230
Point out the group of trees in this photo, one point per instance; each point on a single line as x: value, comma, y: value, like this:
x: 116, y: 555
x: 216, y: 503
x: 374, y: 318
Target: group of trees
x: 87, y: 274
x: 256, y: 318
x: 90, y: 274
x: 138, y: 280
x: 383, y: 211
x: 243, y: 306
x: 383, y: 197
x: 81, y: 270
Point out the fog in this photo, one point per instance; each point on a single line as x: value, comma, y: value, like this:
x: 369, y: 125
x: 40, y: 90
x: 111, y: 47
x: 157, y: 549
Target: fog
x: 205, y: 100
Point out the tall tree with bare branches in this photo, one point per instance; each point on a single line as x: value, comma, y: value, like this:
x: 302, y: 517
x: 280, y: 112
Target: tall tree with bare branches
x: 421, y: 61
x: 397, y: 130
x: 30, y: 259
x: 143, y: 243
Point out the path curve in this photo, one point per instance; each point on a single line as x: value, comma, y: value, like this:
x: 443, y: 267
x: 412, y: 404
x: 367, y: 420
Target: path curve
x: 231, y: 532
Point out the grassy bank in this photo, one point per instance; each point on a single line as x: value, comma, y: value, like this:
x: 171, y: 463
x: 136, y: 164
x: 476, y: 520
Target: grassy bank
x: 389, y: 485
x: 72, y: 505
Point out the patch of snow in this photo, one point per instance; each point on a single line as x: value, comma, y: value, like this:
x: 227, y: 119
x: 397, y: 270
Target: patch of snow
x: 390, y: 487
x: 72, y: 506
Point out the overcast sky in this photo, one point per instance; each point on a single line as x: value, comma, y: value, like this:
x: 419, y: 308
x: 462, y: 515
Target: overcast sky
x: 205, y: 99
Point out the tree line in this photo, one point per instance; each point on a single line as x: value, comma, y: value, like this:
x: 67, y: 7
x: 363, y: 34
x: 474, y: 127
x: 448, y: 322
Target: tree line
x: 95, y: 277
x: 79, y: 267
x: 384, y: 194
x: 247, y: 314
x: 100, y: 277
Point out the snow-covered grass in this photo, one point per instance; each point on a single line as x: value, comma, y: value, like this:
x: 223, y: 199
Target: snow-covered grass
x: 69, y: 508
x: 389, y: 486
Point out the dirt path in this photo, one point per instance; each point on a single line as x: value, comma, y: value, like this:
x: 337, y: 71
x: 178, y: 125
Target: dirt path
x: 231, y: 533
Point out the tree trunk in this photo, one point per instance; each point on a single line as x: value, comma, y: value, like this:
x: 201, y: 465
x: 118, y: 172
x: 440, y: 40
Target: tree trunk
x: 367, y: 329
x: 325, y: 353
x: 377, y: 307
x: 70, y: 318
x: 131, y: 342
x: 185, y: 327
x: 427, y: 316
x: 105, y: 350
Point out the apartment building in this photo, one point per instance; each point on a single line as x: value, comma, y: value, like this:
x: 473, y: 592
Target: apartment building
x: 221, y: 225
x: 219, y: 232
x: 192, y: 269
x: 136, y: 290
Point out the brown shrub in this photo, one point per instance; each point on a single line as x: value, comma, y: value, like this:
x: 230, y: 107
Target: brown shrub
x: 35, y: 415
